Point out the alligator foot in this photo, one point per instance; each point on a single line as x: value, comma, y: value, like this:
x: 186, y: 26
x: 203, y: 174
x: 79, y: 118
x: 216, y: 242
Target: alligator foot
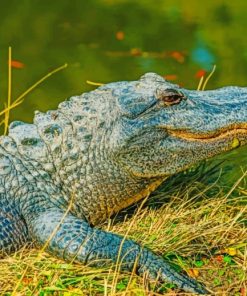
x: 71, y: 238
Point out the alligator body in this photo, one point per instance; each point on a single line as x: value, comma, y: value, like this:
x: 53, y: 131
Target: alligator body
x: 102, y: 151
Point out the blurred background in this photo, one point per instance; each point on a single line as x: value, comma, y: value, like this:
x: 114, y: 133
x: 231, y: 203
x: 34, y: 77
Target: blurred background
x: 106, y: 40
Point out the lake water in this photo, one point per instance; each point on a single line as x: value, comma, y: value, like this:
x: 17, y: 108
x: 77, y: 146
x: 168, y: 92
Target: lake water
x: 106, y: 40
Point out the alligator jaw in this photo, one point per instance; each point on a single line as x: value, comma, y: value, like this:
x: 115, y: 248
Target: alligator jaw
x: 238, y: 133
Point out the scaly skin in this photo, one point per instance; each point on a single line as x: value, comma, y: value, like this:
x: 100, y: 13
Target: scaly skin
x: 102, y: 151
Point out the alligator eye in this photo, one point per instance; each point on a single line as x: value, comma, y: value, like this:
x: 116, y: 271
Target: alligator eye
x: 169, y: 96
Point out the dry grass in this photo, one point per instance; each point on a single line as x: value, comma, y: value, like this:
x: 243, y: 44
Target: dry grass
x: 201, y: 229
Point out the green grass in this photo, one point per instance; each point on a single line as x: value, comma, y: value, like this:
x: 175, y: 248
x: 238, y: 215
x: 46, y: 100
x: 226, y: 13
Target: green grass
x: 193, y: 221
x: 199, y: 229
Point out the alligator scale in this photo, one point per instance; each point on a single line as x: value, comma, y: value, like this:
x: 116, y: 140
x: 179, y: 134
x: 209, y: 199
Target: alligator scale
x: 102, y: 151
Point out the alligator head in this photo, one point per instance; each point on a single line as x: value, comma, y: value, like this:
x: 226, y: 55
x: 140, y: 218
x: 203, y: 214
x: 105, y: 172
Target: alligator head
x: 163, y: 129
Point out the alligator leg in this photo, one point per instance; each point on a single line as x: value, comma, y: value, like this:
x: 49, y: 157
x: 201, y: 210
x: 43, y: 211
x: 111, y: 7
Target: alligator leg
x: 73, y: 239
x: 13, y: 229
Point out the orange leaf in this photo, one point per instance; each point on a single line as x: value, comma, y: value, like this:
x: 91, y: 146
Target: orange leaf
x: 178, y: 56
x: 219, y: 258
x: 200, y: 73
x: 193, y: 272
x: 135, y: 52
x: 171, y: 77
x: 17, y: 64
x: 26, y: 281
x: 120, y: 35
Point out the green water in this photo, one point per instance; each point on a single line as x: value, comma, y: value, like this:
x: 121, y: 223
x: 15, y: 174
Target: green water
x: 106, y: 40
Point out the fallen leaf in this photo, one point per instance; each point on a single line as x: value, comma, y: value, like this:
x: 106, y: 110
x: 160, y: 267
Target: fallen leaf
x: 120, y: 35
x: 17, y: 64
x: 243, y: 291
x: 219, y: 258
x: 26, y: 281
x: 200, y: 73
x: 193, y: 272
x: 135, y: 52
x: 231, y: 251
x: 178, y: 56
x: 171, y: 77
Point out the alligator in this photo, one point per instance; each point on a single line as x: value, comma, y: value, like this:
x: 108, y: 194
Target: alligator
x: 101, y: 151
